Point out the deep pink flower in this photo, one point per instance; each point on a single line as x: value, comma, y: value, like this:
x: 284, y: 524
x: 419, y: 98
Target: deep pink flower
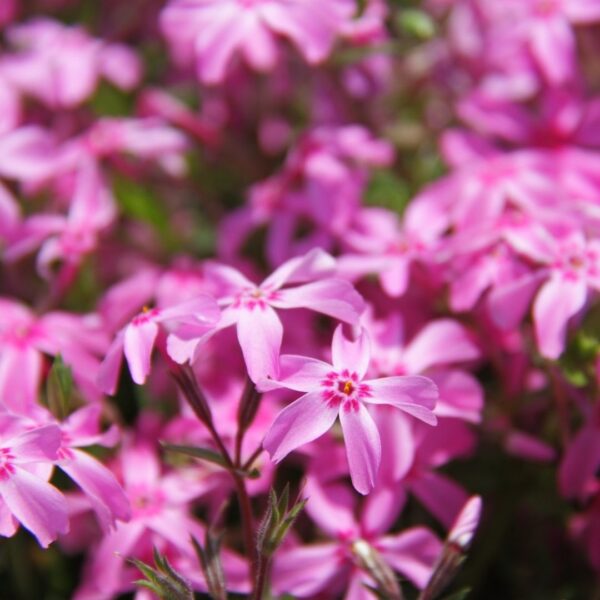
x: 341, y: 390
x: 216, y: 30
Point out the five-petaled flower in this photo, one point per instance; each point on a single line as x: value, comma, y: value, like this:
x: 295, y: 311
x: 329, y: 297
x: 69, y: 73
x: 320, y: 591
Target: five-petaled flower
x: 341, y: 390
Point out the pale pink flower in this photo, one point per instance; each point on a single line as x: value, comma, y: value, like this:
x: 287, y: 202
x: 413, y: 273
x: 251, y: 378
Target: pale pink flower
x: 341, y: 390
x: 26, y: 458
x: 214, y: 31
x: 251, y: 308
x: 137, y: 339
x: 24, y: 340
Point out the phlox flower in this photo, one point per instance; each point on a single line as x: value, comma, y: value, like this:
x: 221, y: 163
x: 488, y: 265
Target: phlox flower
x: 137, y: 339
x: 569, y: 268
x: 359, y: 537
x: 216, y: 30
x: 61, y: 65
x: 24, y: 340
x: 160, y: 516
x: 26, y: 457
x: 341, y: 390
x: 252, y: 308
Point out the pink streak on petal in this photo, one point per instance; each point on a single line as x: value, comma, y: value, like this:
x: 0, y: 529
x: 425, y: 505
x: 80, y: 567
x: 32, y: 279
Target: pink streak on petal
x: 260, y: 333
x: 39, y: 506
x: 301, y: 422
x: 138, y: 343
x: 363, y: 447
x: 353, y: 355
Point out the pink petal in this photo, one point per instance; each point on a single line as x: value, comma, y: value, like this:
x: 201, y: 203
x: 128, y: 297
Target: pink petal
x: 580, y: 464
x: 363, y: 447
x: 382, y: 507
x: 440, y: 495
x: 315, y: 264
x: 440, y: 342
x: 331, y: 506
x: 108, y: 373
x: 260, y: 333
x: 201, y: 309
x: 99, y: 485
x: 336, y: 298
x: 461, y: 395
x: 20, y: 377
x: 413, y: 394
x: 558, y: 300
x: 582, y: 11
x: 8, y: 524
x: 509, y: 302
x: 37, y: 505
x: 138, y: 343
x: 353, y: 355
x: 303, y: 421
x: 301, y: 373
x: 37, y: 445
x: 553, y: 44
x: 412, y: 552
x: 306, y: 570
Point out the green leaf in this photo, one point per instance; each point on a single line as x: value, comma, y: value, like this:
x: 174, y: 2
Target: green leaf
x: 196, y: 452
x: 59, y: 388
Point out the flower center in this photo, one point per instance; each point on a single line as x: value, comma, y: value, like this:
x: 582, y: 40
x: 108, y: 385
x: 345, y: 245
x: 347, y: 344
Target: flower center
x: 254, y: 298
x: 344, y: 390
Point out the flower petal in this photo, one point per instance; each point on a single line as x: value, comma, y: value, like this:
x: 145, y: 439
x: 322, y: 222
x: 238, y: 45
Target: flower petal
x: 39, y: 506
x: 301, y: 373
x: 558, y: 300
x: 260, y: 333
x: 313, y: 265
x: 336, y: 298
x: 414, y: 394
x: 138, y: 343
x: 363, y: 447
x: 301, y: 422
x: 353, y: 355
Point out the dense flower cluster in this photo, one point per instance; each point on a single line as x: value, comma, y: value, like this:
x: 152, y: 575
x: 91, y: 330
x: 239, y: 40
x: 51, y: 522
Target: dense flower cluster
x: 416, y: 187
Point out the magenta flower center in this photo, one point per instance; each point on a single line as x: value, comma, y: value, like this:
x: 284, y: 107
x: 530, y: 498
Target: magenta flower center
x: 145, y: 316
x: 344, y: 390
x: 254, y: 298
x: 6, y: 467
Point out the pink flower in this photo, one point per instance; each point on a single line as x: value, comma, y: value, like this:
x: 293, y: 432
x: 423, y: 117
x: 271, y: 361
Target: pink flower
x: 216, y: 30
x: 251, y: 308
x: 357, y: 542
x: 25, y: 494
x: 61, y: 65
x: 137, y: 339
x: 570, y: 266
x: 341, y: 390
